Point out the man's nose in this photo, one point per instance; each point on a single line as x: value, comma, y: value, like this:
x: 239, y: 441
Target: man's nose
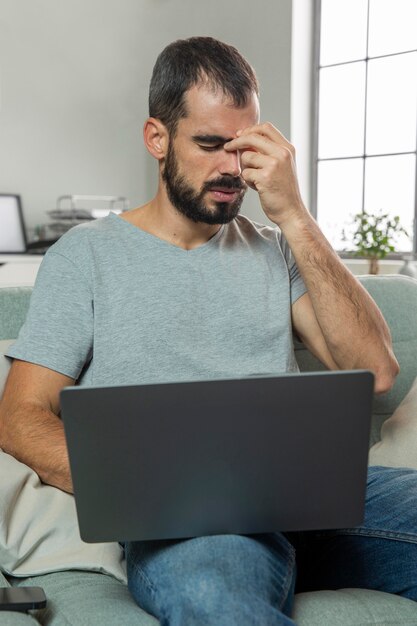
x: 230, y: 163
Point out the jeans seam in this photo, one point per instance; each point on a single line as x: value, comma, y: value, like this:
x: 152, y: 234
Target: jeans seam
x: 381, y: 534
x: 288, y: 577
x: 162, y: 615
x: 139, y: 571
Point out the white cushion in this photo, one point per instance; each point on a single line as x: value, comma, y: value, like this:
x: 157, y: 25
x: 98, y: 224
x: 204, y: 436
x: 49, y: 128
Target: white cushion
x: 398, y: 445
x: 38, y: 523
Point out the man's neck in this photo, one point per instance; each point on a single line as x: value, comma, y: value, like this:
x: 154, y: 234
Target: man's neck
x: 159, y: 218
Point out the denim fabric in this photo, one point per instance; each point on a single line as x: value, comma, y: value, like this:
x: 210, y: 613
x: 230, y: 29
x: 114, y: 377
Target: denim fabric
x: 221, y: 579
x: 246, y: 580
x: 381, y: 554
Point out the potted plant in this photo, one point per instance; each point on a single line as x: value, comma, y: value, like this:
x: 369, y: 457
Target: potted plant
x: 373, y: 236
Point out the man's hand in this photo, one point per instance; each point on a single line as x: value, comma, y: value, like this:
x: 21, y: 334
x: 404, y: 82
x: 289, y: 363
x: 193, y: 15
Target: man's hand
x: 268, y: 166
x: 337, y: 318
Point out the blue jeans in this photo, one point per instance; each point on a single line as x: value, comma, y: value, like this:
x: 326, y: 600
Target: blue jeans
x: 246, y: 580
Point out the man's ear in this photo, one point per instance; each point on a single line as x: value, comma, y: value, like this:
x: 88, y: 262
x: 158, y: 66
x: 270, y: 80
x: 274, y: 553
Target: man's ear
x: 155, y: 135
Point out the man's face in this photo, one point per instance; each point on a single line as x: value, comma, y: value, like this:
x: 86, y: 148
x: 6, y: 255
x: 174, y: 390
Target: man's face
x: 202, y: 180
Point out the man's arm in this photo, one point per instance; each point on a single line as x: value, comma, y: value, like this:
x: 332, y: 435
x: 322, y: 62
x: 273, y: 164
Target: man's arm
x: 30, y: 429
x: 337, y: 319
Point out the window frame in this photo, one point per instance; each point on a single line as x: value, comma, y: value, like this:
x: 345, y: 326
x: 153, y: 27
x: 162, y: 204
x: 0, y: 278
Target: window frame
x: 315, y: 140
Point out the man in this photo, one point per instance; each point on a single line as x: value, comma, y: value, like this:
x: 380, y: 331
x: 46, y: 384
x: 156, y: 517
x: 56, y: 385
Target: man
x: 184, y: 287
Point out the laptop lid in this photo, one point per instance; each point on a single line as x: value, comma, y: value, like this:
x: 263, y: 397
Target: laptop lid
x: 240, y: 456
x: 12, y: 226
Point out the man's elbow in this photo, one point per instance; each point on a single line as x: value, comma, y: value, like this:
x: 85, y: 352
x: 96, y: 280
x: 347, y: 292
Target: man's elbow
x: 385, y: 376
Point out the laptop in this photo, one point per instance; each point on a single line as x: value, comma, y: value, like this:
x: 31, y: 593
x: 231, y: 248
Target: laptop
x: 13, y: 239
x: 186, y: 459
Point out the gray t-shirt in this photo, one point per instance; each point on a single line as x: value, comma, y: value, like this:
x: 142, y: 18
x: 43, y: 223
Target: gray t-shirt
x: 116, y: 305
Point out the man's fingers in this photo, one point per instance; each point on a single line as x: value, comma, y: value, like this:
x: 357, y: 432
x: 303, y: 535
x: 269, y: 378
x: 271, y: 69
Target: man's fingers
x: 252, y: 159
x: 248, y: 141
x: 269, y: 131
x: 253, y: 164
x: 249, y: 176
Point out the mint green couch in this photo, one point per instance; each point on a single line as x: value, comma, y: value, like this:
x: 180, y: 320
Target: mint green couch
x: 91, y: 599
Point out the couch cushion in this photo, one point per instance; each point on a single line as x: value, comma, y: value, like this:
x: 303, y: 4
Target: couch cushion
x: 87, y: 599
x: 353, y: 607
x: 14, y: 618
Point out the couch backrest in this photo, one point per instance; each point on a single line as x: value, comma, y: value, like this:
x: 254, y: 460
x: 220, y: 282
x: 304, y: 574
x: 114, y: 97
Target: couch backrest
x: 396, y: 296
x: 14, y: 303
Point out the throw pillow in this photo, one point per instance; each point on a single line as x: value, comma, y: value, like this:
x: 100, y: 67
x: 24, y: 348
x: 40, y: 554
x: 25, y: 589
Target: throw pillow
x: 38, y: 523
x: 398, y: 445
x: 39, y: 529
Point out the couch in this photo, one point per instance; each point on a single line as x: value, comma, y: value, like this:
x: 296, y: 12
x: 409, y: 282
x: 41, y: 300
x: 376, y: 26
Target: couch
x: 107, y: 601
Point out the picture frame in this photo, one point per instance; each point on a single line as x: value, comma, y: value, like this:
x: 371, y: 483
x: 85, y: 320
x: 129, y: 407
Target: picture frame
x: 13, y: 238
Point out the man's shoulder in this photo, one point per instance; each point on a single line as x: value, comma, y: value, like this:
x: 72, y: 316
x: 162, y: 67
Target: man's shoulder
x: 249, y: 229
x: 77, y: 241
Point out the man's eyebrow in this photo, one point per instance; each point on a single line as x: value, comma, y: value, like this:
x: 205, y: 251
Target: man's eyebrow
x: 211, y: 139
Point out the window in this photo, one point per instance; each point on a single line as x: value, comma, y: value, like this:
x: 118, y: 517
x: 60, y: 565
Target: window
x: 366, y: 114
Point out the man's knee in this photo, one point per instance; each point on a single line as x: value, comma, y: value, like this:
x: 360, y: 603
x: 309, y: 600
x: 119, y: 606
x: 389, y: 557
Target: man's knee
x: 391, y: 503
x: 235, y: 559
x: 205, y: 576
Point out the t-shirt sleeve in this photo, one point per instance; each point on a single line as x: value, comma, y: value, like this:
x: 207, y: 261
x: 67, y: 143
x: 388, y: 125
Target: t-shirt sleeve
x: 58, y: 331
x: 297, y: 286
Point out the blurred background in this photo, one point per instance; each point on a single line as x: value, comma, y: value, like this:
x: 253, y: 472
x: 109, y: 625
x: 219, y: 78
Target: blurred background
x: 338, y: 78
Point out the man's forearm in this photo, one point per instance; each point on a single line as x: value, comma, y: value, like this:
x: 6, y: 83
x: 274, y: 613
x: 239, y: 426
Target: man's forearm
x: 354, y: 329
x: 349, y: 322
x: 39, y: 442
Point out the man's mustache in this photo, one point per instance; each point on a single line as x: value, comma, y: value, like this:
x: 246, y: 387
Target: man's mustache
x: 236, y: 184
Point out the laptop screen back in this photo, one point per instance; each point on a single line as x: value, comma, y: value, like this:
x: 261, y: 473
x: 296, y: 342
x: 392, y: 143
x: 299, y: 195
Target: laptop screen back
x: 12, y: 230
x: 242, y: 456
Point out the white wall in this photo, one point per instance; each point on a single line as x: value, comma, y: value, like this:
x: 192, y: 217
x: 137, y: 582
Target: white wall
x: 74, y: 81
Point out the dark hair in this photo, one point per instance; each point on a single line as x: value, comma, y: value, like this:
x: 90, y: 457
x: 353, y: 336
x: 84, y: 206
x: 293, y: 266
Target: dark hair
x: 187, y: 62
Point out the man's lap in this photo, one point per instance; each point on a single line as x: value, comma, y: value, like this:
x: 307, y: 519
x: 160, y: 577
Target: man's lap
x: 220, y: 577
x: 374, y: 555
x: 379, y: 554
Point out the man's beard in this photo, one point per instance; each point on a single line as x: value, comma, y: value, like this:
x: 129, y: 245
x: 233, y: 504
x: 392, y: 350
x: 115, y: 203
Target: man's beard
x: 191, y: 203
